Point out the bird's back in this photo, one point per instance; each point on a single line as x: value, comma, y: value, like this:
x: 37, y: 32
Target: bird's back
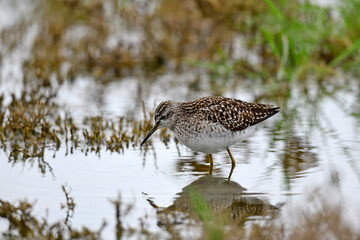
x: 210, y: 124
x: 233, y: 114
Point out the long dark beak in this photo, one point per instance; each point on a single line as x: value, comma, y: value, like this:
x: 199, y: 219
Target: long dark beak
x: 155, y: 127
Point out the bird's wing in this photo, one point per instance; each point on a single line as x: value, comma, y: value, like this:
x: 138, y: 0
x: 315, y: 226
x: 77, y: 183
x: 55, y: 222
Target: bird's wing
x: 236, y: 115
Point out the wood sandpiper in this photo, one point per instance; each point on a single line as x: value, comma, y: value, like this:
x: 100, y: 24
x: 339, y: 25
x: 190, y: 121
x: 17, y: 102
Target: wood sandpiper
x: 211, y: 124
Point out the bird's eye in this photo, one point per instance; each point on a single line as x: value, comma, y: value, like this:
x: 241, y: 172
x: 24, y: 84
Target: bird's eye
x: 162, y: 117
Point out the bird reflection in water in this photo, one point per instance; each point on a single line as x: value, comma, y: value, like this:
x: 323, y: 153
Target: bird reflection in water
x: 223, y: 197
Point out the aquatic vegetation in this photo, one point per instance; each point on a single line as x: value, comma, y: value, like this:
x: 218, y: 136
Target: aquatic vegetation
x: 121, y: 210
x: 33, y: 123
x: 23, y: 223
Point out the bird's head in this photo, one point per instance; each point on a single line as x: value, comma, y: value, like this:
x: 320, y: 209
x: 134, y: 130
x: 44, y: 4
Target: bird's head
x: 164, y: 117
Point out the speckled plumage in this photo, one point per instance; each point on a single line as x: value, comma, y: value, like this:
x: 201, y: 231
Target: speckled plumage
x: 211, y: 124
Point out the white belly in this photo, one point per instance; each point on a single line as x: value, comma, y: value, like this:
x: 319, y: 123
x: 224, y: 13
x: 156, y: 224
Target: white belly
x: 212, y: 139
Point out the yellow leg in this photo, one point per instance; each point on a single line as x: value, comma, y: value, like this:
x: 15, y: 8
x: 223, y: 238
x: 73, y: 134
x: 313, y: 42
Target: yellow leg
x: 233, y: 163
x: 211, y: 164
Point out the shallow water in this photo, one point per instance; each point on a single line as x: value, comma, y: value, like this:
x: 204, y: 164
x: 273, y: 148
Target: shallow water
x: 274, y: 166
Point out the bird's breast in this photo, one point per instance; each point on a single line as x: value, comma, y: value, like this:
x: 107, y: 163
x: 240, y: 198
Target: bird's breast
x: 208, y: 138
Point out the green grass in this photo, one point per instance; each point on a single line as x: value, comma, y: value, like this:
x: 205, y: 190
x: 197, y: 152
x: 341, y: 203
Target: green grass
x: 294, y: 32
x: 304, y: 37
x: 212, y: 229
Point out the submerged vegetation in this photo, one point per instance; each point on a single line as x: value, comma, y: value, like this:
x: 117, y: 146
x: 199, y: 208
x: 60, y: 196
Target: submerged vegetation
x: 273, y: 44
x: 24, y: 224
x: 32, y: 123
